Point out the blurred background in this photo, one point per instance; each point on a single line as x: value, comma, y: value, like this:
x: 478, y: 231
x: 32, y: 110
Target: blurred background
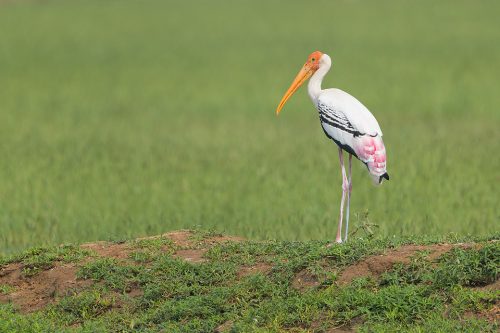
x: 128, y: 118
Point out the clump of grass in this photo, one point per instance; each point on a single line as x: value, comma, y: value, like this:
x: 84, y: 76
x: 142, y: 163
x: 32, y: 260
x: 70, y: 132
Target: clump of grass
x: 6, y: 289
x: 419, y: 270
x: 84, y: 306
x: 116, y: 275
x: 155, y: 243
x: 435, y: 322
x: 11, y: 321
x: 148, y: 249
x: 469, y: 267
x: 472, y: 300
x: 461, y: 266
x: 37, y: 259
x: 141, y: 257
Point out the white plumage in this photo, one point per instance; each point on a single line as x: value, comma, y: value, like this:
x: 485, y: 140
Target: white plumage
x: 349, y: 123
x: 357, y: 113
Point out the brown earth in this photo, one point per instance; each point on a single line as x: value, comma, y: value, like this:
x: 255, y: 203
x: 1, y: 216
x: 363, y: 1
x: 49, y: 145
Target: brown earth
x: 31, y: 293
x: 260, y: 267
x: 304, y: 280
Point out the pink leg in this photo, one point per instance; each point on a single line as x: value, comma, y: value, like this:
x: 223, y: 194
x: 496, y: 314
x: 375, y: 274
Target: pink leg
x: 338, y: 239
x: 348, y: 198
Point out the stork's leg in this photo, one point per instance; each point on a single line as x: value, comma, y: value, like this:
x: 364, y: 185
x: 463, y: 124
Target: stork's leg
x: 348, y: 198
x: 338, y: 239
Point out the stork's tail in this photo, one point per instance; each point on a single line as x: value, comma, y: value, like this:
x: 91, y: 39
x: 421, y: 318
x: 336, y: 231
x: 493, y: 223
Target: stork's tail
x: 377, y: 179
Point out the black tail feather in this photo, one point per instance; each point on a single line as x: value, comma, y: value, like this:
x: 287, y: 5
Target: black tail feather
x: 385, y: 175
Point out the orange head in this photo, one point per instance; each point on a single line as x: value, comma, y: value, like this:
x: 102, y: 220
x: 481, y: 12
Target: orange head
x: 309, y: 68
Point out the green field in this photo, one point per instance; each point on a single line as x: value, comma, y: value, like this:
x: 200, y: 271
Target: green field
x: 127, y: 118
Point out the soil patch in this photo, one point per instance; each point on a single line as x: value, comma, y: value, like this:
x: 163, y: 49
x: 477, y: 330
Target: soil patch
x: 374, y: 266
x: 194, y: 256
x: 33, y: 293
x: 304, y: 280
x: 225, y: 327
x: 261, y: 267
x: 109, y: 250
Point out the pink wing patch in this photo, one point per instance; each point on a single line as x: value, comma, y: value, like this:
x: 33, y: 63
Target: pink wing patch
x: 371, y: 150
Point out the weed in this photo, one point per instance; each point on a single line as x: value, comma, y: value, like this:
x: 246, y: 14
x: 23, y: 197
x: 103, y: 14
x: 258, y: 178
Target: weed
x: 37, y: 259
x: 6, y: 289
x: 115, y: 275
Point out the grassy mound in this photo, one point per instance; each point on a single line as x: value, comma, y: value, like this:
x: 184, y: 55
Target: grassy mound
x: 189, y: 281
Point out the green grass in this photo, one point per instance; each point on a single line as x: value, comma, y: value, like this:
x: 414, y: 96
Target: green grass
x: 37, y: 259
x: 128, y: 118
x: 442, y: 295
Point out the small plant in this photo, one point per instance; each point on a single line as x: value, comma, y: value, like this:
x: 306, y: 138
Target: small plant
x: 86, y: 305
x: 38, y: 259
x: 114, y: 274
x: 364, y: 225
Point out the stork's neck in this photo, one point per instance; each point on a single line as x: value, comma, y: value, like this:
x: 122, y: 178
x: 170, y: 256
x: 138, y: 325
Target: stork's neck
x: 314, y: 86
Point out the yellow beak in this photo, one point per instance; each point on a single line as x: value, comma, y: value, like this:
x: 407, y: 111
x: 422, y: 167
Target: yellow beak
x: 304, y: 74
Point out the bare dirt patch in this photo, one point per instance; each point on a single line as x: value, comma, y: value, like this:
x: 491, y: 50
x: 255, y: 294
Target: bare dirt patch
x: 304, y: 280
x: 33, y: 293
x: 191, y: 255
x: 109, y: 250
x: 192, y: 249
x: 374, y: 266
x: 492, y: 315
x: 225, y: 327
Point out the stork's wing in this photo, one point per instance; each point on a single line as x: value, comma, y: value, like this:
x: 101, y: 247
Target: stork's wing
x: 349, y: 123
x: 348, y: 110
x: 337, y: 119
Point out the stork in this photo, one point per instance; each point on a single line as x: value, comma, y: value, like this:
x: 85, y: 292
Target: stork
x: 345, y: 121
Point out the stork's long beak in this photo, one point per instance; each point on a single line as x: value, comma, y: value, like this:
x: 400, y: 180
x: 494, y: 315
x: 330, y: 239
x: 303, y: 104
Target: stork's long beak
x: 303, y: 75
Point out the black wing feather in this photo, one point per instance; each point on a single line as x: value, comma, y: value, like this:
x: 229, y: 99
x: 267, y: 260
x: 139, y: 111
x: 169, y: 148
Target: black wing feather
x: 336, y: 119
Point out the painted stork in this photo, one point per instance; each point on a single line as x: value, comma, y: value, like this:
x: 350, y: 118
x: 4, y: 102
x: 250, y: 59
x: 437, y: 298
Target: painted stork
x: 347, y: 122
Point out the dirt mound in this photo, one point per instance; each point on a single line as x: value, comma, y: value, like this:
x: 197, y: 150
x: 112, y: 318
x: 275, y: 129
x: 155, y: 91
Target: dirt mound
x: 31, y: 293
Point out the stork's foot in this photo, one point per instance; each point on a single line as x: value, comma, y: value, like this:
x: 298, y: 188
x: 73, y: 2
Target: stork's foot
x: 338, y: 239
x: 331, y: 244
